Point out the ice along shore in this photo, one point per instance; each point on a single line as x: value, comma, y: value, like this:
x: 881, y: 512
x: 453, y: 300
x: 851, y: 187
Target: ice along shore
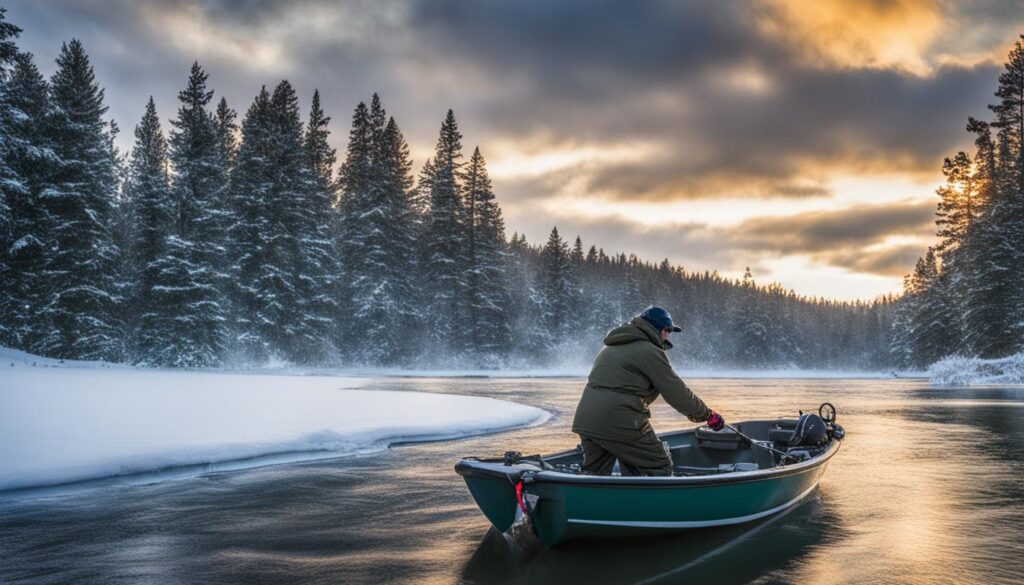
x: 81, y: 422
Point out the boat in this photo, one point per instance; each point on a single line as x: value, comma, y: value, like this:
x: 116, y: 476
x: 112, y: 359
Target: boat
x: 745, y: 472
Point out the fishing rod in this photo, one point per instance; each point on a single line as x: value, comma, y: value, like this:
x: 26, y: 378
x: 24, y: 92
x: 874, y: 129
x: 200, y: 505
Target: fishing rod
x: 761, y: 444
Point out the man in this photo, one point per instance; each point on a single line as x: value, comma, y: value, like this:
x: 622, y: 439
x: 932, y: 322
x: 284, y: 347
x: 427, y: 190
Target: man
x: 613, y: 418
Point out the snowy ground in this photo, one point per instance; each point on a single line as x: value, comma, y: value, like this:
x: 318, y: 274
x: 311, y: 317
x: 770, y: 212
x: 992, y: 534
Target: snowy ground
x: 71, y: 422
x: 960, y: 371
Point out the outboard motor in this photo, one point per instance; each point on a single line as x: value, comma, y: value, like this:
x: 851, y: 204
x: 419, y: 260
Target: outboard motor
x: 810, y: 437
x: 810, y: 431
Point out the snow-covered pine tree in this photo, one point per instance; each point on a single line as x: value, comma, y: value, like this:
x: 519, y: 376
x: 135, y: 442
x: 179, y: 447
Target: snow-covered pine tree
x: 524, y: 311
x: 999, y: 286
x: 355, y: 199
x: 30, y: 163
x: 78, y: 279
x: 958, y: 205
x: 956, y: 214
x: 379, y: 237
x: 249, y: 233
x: 11, y: 187
x: 574, y: 278
x: 554, y: 291
x: 444, y: 242
x: 292, y: 274
x: 8, y: 48
x: 489, y: 325
x: 749, y: 323
x: 929, y: 336
x: 227, y: 134
x: 199, y: 183
x: 227, y: 149
x: 396, y: 190
x: 973, y: 266
x: 316, y: 222
x: 271, y: 230
x: 420, y: 196
x: 160, y: 298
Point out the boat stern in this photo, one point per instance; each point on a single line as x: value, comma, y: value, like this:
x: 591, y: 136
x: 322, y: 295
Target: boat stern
x: 493, y: 486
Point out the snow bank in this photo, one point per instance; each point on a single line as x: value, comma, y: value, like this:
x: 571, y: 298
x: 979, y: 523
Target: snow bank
x: 961, y: 371
x: 15, y: 358
x: 67, y: 424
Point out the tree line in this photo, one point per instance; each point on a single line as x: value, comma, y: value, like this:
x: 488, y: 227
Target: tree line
x: 227, y: 241
x: 966, y: 294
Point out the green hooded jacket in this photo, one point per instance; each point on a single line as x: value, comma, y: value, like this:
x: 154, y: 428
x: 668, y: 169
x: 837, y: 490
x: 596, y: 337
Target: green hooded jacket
x: 630, y: 372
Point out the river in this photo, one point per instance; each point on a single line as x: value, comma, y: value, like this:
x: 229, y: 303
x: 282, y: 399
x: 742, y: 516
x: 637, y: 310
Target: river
x: 927, y: 488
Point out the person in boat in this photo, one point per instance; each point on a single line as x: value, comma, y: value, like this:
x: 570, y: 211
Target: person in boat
x: 613, y: 415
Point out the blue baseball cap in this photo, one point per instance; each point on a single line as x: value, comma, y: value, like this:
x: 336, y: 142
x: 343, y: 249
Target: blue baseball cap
x: 660, y: 319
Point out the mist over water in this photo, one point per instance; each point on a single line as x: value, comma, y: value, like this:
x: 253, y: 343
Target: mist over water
x: 927, y: 488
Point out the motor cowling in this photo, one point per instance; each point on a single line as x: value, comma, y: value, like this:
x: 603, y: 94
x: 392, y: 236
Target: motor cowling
x: 811, y: 431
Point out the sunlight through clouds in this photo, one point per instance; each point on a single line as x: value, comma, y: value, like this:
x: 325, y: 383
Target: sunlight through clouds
x: 597, y: 118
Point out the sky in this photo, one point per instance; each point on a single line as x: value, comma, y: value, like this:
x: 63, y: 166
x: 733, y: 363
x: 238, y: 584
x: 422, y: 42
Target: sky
x: 801, y: 139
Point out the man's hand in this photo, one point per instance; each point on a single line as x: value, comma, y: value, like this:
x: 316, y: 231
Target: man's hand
x: 715, y: 421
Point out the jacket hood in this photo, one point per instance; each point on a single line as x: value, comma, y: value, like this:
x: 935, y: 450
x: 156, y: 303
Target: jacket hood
x: 637, y: 329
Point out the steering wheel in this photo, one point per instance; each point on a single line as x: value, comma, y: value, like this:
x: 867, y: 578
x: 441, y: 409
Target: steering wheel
x: 827, y: 412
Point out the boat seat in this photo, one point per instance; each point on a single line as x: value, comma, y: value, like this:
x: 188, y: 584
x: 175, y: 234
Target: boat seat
x: 782, y: 436
x: 782, y: 432
x: 723, y: 440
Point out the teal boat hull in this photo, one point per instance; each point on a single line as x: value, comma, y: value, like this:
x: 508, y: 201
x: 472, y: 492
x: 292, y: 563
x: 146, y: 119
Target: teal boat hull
x: 566, y: 506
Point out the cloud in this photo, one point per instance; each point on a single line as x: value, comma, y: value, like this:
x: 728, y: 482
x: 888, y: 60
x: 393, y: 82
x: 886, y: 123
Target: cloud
x: 651, y: 102
x: 820, y: 231
x: 887, y: 261
x: 883, y: 239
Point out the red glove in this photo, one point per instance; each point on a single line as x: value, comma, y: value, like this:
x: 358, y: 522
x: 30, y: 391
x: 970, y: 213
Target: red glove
x: 715, y: 421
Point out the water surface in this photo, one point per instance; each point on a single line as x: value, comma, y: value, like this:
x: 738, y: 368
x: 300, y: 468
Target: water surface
x: 927, y: 488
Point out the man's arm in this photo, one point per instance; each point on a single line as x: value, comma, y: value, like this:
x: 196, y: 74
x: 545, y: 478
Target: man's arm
x: 669, y: 385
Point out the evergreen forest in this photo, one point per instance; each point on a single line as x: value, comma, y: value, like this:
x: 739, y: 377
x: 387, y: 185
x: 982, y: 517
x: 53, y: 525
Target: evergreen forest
x: 227, y: 239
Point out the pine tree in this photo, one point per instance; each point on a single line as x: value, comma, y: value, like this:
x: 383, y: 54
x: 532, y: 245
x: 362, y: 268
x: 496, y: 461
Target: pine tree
x: 249, y: 234
x: 317, y: 223
x: 227, y: 135
x: 200, y: 219
x: 159, y: 301
x: 78, y: 277
x: 554, y: 288
x: 272, y: 234
x: 355, y: 199
x: 13, y: 303
x: 29, y: 164
x: 487, y: 296
x: 997, y: 288
x: 421, y: 194
x: 379, y: 237
x: 958, y: 204
x: 444, y: 252
x: 752, y: 336
x: 975, y: 269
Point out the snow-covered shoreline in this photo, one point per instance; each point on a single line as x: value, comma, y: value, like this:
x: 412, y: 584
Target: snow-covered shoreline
x: 69, y: 424
x: 16, y: 358
x: 962, y: 371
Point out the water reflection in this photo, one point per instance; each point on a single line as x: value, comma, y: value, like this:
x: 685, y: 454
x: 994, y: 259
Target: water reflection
x: 731, y: 554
